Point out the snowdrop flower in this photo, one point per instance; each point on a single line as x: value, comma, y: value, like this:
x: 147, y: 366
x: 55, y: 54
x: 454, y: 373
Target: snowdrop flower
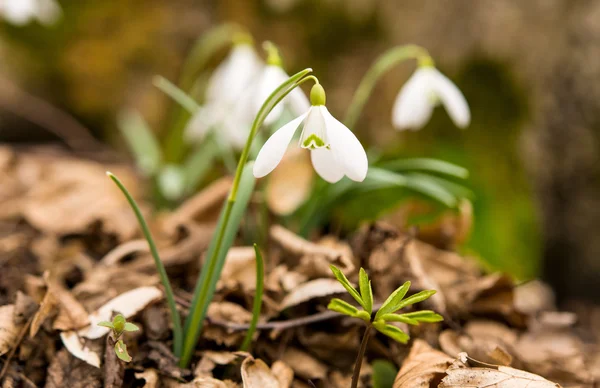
x: 422, y: 92
x: 21, y: 12
x: 227, y: 83
x: 335, y: 151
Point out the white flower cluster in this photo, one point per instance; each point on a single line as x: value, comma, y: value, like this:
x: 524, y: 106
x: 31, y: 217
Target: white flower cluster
x: 22, y: 12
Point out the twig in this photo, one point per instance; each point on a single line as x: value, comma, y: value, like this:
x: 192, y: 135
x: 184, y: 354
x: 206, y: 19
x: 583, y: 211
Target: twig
x: 283, y: 325
x: 47, y: 116
x: 10, y: 355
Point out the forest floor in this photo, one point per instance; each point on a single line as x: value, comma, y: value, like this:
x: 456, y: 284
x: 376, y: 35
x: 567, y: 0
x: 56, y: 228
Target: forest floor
x: 71, y: 249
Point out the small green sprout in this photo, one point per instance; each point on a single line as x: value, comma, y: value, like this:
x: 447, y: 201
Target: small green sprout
x: 384, y: 315
x: 118, y: 326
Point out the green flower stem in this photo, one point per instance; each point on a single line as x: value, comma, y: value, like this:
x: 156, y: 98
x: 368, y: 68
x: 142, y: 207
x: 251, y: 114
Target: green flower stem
x: 384, y: 63
x: 360, y: 356
x: 257, y: 300
x: 198, y: 308
x: 162, y: 273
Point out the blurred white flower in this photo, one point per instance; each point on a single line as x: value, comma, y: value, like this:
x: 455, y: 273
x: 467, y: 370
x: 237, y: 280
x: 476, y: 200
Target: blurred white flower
x: 335, y: 151
x: 21, y: 12
x: 227, y: 83
x: 425, y: 89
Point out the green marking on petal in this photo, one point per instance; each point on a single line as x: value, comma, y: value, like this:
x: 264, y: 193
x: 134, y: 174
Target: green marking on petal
x: 312, y: 142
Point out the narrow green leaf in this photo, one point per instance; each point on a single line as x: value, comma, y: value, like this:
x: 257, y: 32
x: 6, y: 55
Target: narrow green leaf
x: 160, y: 268
x: 384, y: 374
x: 178, y: 95
x: 393, y: 332
x: 141, y: 141
x: 198, y: 164
x: 431, y: 189
x: 365, y: 290
x: 339, y: 275
x: 260, y: 273
x: 130, y: 327
x: 121, y: 351
x: 211, y: 271
x: 416, y: 298
x: 106, y: 324
x: 399, y: 318
x: 395, y: 298
x: 427, y: 316
x: 426, y: 164
x: 456, y: 189
x: 342, y: 307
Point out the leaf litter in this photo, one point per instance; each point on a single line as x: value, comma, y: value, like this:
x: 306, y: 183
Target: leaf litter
x: 82, y: 259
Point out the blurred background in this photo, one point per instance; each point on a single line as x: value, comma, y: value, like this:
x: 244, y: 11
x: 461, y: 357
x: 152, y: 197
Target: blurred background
x: 528, y: 69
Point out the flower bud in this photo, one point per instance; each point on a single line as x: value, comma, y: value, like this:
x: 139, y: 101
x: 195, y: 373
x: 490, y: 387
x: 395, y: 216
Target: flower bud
x: 317, y: 95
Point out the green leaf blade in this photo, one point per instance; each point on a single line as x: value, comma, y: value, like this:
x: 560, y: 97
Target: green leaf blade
x: 106, y: 324
x: 393, y: 332
x: 121, y: 351
x: 426, y: 316
x: 394, y: 299
x: 416, y: 298
x: 131, y: 327
x: 339, y: 275
x: 399, y: 318
x: 342, y: 307
x: 365, y: 290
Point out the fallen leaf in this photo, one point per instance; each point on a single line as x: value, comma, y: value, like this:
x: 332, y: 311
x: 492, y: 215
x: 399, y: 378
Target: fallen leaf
x: 290, y: 184
x: 226, y: 312
x: 283, y: 373
x: 25, y: 307
x: 150, y: 376
x: 423, y: 368
x: 71, y: 314
x: 256, y: 374
x: 8, y: 330
x: 239, y: 269
x: 312, y: 289
x: 65, y: 371
x: 460, y: 375
x: 78, y: 348
x: 47, y: 307
x: 304, y: 365
x: 128, y: 304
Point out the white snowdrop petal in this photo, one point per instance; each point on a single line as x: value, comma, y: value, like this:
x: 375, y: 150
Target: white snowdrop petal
x: 326, y: 165
x: 413, y: 106
x: 453, y: 99
x: 314, y: 133
x: 272, y: 77
x: 200, y: 123
x: 18, y: 12
x: 346, y: 148
x: 272, y: 151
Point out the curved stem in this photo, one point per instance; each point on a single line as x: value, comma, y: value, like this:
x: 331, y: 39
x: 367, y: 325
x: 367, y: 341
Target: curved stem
x: 197, y: 312
x: 384, y: 63
x: 360, y: 356
x: 162, y: 273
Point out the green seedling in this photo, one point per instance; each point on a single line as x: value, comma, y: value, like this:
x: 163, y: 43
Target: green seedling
x: 386, y: 313
x: 118, y: 326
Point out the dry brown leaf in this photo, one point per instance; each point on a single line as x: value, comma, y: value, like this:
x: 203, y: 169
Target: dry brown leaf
x: 298, y: 246
x: 488, y: 341
x: 211, y: 359
x: 71, y: 315
x: 423, y: 367
x: 128, y: 304
x: 47, y: 307
x: 283, y: 373
x: 205, y: 382
x: 312, y: 289
x: 8, y: 330
x: 460, y: 375
x: 239, y: 269
x: 78, y: 348
x: 150, y: 376
x: 290, y: 183
x: 533, y: 297
x: 304, y: 365
x: 65, y: 371
x: 256, y: 374
x: 25, y: 307
x: 226, y: 312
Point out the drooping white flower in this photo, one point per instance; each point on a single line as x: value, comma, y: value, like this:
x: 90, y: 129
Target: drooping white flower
x: 425, y: 89
x: 335, y: 151
x: 21, y: 12
x: 225, y: 87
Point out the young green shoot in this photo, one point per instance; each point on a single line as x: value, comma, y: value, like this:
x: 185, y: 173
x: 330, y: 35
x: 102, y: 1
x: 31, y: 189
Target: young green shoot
x: 118, y: 326
x: 260, y: 273
x: 228, y: 224
x: 385, y: 314
x: 162, y: 273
